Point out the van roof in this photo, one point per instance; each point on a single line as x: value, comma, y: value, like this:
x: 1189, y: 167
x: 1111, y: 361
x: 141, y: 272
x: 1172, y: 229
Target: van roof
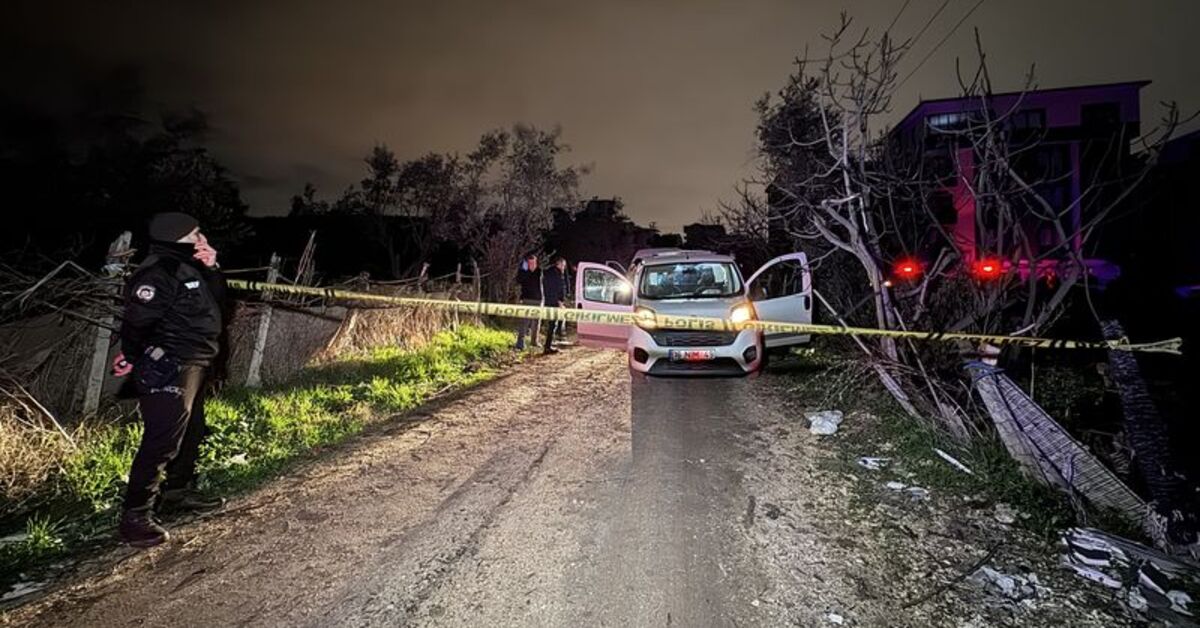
x: 681, y: 255
x: 645, y: 253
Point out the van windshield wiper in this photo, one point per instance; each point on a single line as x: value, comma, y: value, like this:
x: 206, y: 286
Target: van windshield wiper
x: 697, y: 293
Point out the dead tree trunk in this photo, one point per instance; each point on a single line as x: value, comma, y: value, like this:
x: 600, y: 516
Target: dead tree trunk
x: 1147, y: 436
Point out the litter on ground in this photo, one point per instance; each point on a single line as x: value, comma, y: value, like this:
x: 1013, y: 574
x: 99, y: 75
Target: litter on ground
x: 874, y: 464
x: 22, y: 589
x: 917, y: 493
x: 825, y: 422
x: 1153, y: 583
x: 1005, y: 514
x: 953, y: 462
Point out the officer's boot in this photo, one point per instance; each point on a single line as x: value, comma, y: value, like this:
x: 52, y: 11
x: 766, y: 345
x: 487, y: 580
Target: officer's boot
x: 188, y: 499
x: 139, y: 529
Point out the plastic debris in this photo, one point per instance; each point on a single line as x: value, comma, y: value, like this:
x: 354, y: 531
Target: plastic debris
x: 21, y: 589
x: 1095, y: 575
x: 1136, y: 600
x: 1005, y: 514
x: 874, y: 464
x: 835, y: 619
x: 915, y: 492
x: 1181, y: 602
x: 953, y: 462
x: 825, y: 422
x: 1152, y: 582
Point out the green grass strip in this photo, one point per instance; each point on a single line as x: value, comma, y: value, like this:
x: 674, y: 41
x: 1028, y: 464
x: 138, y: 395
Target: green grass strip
x: 256, y: 432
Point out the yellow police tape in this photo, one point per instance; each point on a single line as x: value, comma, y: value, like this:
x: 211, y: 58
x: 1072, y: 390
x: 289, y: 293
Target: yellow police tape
x: 695, y: 322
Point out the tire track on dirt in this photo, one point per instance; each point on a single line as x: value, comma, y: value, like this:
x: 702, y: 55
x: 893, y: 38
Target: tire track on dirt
x: 302, y: 547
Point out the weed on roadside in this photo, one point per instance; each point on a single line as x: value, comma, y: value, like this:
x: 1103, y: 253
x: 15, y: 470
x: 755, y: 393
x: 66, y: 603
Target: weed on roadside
x: 41, y: 541
x: 882, y: 429
x: 254, y: 435
x: 995, y: 477
x: 95, y: 474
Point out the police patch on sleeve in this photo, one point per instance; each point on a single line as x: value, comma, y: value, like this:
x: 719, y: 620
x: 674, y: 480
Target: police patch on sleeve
x: 144, y: 293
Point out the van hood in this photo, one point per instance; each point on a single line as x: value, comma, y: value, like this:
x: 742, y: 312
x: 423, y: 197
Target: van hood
x: 709, y: 307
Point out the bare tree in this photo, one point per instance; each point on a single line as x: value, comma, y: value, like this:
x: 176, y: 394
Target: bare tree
x: 845, y: 189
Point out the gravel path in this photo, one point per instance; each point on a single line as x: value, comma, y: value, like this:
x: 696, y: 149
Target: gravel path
x: 562, y: 494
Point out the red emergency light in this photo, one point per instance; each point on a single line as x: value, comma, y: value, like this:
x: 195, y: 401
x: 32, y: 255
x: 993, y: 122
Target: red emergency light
x: 987, y: 269
x: 908, y: 269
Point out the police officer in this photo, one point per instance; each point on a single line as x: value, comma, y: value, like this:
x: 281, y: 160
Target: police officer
x: 170, y: 334
x: 529, y: 281
x: 554, y: 293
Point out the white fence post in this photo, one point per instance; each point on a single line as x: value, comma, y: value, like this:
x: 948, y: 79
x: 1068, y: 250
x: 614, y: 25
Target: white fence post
x: 477, y: 280
x: 423, y: 276
x: 254, y: 372
x: 117, y: 251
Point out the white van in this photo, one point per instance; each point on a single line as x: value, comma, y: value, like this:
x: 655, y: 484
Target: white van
x: 694, y: 283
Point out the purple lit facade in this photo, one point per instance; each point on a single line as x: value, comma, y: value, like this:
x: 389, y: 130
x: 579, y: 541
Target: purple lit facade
x: 1070, y: 140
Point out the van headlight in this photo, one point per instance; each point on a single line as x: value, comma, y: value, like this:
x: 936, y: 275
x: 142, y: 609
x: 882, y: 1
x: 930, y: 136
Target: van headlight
x: 645, y: 318
x: 742, y: 313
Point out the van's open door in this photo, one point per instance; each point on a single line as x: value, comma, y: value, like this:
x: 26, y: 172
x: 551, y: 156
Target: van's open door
x: 782, y: 292
x: 602, y: 289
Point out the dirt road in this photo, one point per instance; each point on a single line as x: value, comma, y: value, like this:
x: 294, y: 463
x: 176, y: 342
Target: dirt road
x: 563, y: 494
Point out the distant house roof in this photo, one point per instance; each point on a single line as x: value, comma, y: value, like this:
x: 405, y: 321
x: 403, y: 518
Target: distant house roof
x: 1182, y: 148
x: 927, y: 103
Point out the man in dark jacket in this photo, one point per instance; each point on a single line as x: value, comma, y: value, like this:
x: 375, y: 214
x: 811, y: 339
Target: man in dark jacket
x: 170, y: 334
x: 554, y: 290
x: 529, y: 280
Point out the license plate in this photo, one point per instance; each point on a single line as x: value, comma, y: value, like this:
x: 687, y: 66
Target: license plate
x: 690, y: 356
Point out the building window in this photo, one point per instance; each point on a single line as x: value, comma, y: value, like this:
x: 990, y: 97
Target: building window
x: 1046, y: 162
x: 1103, y: 115
x: 946, y: 121
x: 1028, y: 119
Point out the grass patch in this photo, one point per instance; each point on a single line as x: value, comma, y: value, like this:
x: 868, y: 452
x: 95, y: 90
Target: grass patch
x: 996, y: 477
x: 42, y: 541
x: 254, y: 434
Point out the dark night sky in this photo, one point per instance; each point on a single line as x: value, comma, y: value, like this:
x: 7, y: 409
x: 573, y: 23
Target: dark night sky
x: 656, y: 95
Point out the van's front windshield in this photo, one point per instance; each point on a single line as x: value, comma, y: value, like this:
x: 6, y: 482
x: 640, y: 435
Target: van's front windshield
x: 690, y: 280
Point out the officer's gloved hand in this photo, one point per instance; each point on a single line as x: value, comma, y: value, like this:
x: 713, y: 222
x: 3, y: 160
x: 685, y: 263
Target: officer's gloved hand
x: 156, y: 369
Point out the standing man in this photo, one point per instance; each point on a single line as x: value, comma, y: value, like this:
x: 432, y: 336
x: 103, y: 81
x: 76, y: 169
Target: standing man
x: 529, y: 280
x: 170, y: 333
x: 554, y: 287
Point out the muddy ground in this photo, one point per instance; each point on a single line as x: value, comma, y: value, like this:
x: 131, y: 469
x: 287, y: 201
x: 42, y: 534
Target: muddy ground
x: 566, y: 493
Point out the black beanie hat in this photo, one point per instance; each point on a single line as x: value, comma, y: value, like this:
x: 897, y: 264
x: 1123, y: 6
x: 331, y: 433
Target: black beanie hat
x: 170, y: 226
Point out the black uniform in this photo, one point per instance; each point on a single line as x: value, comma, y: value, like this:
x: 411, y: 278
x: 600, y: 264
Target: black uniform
x: 530, y: 283
x: 554, y: 283
x: 175, y: 304
x: 554, y: 288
